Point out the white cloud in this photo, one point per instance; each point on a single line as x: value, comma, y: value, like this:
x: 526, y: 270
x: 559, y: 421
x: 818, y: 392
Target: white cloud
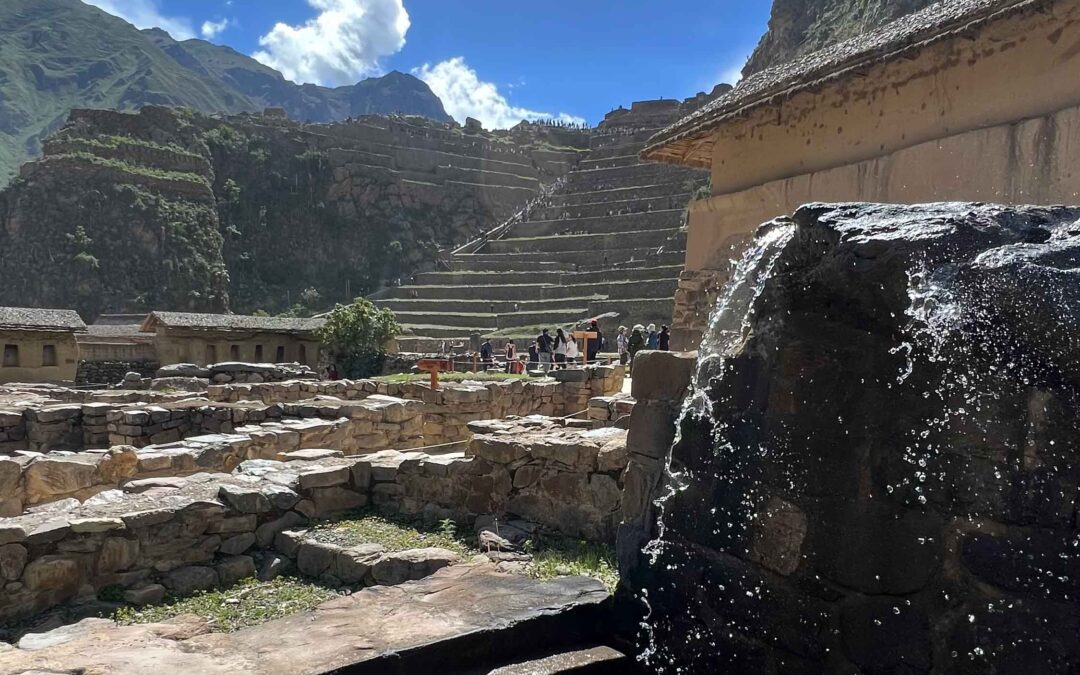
x: 340, y: 45
x: 464, y: 94
x: 211, y: 29
x: 145, y: 14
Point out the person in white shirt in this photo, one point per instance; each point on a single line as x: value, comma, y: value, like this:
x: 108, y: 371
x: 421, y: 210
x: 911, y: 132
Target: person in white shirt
x: 560, y: 349
x: 572, y: 352
x: 621, y: 341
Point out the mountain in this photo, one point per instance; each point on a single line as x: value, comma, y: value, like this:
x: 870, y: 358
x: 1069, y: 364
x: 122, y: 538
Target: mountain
x: 57, y: 55
x: 798, y: 27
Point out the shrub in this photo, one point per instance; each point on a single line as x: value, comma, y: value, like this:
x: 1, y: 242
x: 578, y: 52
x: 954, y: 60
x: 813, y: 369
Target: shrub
x: 355, y: 337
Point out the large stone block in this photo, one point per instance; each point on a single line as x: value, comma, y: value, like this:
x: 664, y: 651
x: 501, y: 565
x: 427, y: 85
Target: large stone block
x: 45, y: 479
x: 662, y: 376
x: 652, y: 428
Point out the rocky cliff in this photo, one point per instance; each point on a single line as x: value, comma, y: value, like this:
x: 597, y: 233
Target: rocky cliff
x: 170, y: 209
x: 798, y: 27
x: 56, y: 55
x: 879, y: 468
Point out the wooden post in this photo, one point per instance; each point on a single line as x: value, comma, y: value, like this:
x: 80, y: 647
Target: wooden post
x: 433, y: 367
x: 588, y: 335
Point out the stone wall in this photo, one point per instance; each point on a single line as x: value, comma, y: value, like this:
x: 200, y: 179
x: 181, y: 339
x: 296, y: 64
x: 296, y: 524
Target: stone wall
x: 182, y: 535
x: 112, y: 372
x: 366, y: 426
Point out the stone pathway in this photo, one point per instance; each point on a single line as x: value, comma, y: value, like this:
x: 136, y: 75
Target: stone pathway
x: 461, y: 615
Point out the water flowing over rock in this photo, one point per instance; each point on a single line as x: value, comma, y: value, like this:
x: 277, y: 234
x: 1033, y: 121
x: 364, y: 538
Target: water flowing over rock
x: 878, y: 470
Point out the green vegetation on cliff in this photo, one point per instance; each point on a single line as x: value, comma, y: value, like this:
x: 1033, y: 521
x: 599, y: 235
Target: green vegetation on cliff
x: 63, y: 54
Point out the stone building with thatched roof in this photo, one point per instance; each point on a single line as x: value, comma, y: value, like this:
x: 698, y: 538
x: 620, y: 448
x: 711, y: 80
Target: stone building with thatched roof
x: 39, y: 344
x: 975, y: 100
x: 203, y: 339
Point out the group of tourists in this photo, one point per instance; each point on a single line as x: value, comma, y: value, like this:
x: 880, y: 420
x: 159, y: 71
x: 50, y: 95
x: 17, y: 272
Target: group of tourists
x: 641, y: 338
x: 563, y: 349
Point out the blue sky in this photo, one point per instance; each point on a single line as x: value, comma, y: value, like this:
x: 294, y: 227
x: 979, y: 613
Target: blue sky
x: 498, y: 60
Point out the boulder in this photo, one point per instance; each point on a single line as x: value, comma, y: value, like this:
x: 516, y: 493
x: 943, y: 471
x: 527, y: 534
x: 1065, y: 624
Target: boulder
x: 150, y: 594
x: 12, y: 561
x: 880, y: 446
x: 235, y: 568
x: 244, y: 499
x: 186, y: 580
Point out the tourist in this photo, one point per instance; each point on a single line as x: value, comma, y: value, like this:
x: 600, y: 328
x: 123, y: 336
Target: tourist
x: 487, y: 353
x: 572, y: 352
x: 545, y: 345
x: 510, y: 354
x: 620, y: 343
x: 559, y: 351
x: 653, y: 339
x: 534, y: 356
x: 664, y: 339
x: 593, y: 345
x: 636, y: 342
x: 332, y: 373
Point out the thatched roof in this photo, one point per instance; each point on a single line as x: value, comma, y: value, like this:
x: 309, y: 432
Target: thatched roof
x: 687, y: 141
x: 230, y: 322
x: 26, y: 318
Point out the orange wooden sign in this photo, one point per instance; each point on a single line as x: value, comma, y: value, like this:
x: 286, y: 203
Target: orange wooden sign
x: 434, y: 367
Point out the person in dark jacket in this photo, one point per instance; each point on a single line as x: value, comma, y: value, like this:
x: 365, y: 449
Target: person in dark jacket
x: 652, y: 339
x: 487, y: 353
x: 663, y: 340
x: 595, y: 343
x: 636, y: 342
x: 545, y: 347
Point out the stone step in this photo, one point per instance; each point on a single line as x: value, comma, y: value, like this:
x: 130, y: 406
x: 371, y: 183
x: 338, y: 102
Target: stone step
x: 611, y: 162
x: 583, y: 242
x: 457, y: 621
x: 470, y: 262
x: 629, y: 222
x: 659, y: 283
x: 445, y: 318
x: 542, y: 317
x: 622, y: 176
x: 582, y: 660
x: 479, y: 306
x: 575, y: 260
x: 686, y: 183
x: 678, y: 200
x: 442, y: 331
x: 569, y: 280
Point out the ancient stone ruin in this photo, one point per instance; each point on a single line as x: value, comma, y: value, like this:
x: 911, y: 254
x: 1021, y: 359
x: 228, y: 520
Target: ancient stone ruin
x: 877, y: 467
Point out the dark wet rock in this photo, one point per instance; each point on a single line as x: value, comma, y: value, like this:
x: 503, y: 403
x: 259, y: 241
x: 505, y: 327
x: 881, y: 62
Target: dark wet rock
x: 880, y: 468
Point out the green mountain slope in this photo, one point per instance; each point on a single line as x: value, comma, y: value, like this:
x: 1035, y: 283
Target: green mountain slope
x: 56, y: 55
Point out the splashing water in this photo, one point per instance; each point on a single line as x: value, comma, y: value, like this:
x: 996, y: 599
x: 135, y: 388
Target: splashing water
x: 728, y: 327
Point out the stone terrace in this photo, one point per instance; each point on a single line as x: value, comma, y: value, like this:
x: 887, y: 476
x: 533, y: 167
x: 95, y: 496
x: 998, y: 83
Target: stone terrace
x: 609, y: 238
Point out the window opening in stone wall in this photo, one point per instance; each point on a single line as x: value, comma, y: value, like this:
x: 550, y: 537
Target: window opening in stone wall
x: 48, y: 355
x: 258, y: 354
x: 302, y: 354
x: 234, y: 352
x: 280, y: 358
x: 11, y: 356
x: 211, y: 354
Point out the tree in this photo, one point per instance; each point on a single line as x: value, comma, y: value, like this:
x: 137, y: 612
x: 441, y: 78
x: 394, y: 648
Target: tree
x: 355, y: 337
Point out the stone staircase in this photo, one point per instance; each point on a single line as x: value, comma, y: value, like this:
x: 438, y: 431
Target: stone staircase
x: 610, y: 237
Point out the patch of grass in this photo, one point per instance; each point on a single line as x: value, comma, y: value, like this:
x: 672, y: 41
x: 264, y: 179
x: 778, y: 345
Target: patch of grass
x: 134, y: 169
x: 403, y: 378
x: 563, y: 557
x: 249, y: 603
x: 395, y: 533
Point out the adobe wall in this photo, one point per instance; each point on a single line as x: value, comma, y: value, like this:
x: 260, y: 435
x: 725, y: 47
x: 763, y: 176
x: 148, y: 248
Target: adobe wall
x: 179, y: 346
x: 988, y: 116
x: 30, y: 368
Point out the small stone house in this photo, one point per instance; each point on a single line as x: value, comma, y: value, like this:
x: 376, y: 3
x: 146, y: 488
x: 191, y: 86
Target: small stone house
x: 203, y: 339
x: 966, y: 100
x: 39, y: 344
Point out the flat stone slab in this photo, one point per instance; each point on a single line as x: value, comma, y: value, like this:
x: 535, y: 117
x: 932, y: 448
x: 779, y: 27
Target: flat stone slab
x: 455, y: 615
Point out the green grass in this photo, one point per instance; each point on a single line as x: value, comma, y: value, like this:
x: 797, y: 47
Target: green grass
x: 249, y: 603
x: 563, y: 557
x: 394, y: 533
x: 134, y: 169
x: 404, y: 378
